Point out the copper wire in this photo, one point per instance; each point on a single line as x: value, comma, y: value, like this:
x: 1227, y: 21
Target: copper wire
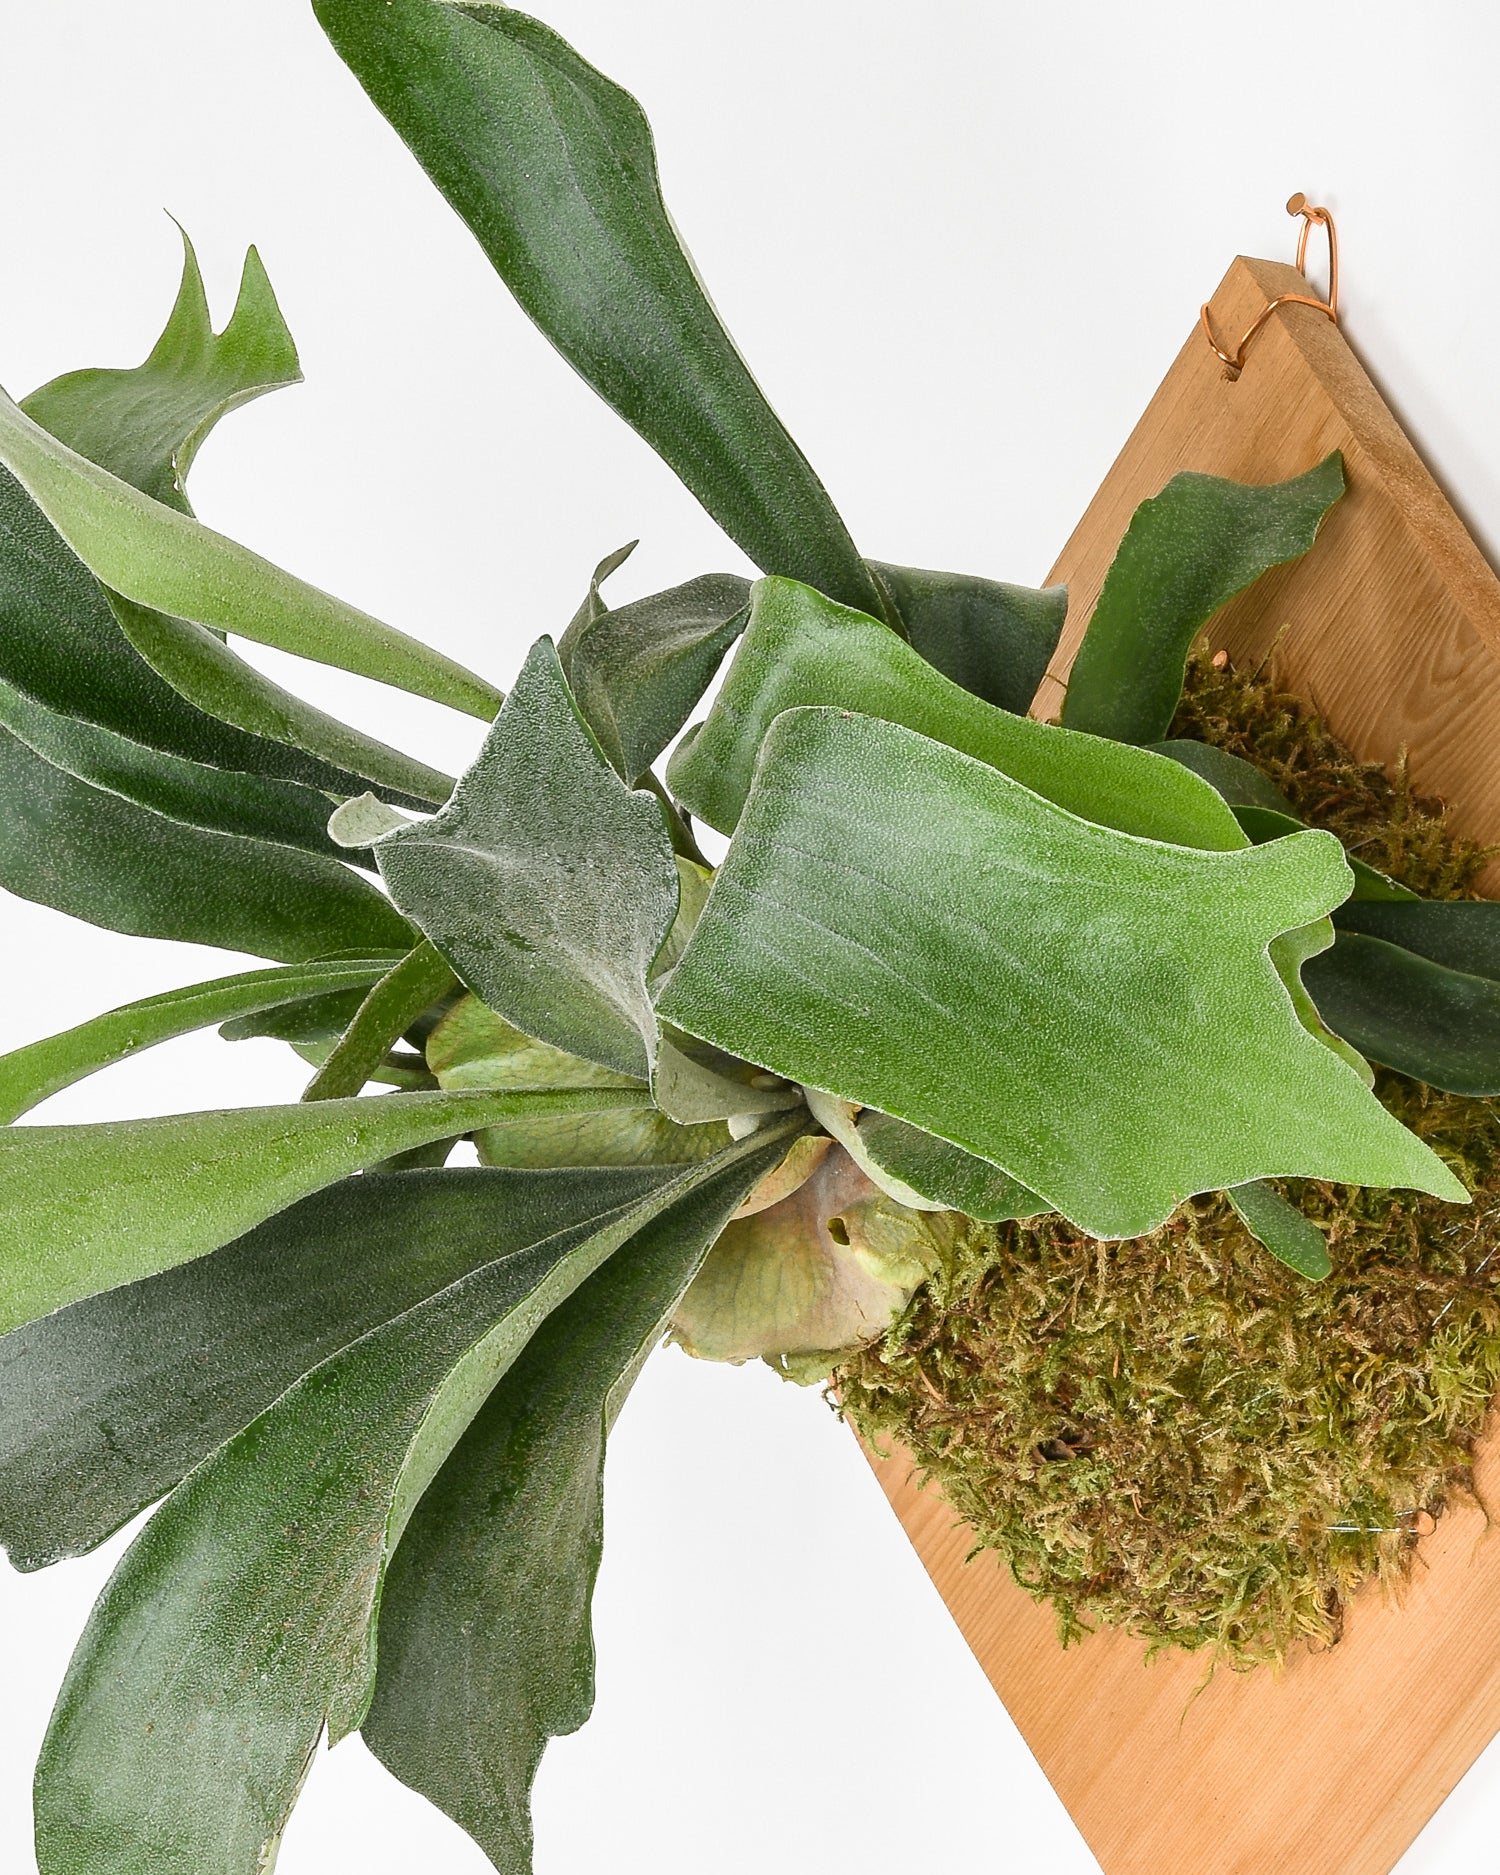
x: 1311, y: 216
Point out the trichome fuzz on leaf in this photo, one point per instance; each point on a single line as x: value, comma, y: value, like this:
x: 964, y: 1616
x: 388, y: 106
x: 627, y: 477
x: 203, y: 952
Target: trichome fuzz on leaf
x: 1177, y: 1434
x: 961, y: 976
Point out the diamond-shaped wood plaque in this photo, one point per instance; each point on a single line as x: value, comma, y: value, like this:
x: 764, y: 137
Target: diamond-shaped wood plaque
x: 1391, y: 627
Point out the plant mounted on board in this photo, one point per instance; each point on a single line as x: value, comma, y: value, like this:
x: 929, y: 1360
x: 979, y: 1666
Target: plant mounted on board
x: 958, y: 969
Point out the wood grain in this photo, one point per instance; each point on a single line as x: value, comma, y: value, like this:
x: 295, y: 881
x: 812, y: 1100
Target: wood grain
x: 1392, y: 627
x: 1330, y: 1769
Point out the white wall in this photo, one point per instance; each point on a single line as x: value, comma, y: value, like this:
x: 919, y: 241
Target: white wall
x: 960, y: 244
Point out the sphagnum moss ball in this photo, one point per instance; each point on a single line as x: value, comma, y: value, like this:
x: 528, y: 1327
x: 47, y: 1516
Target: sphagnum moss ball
x: 1177, y: 1434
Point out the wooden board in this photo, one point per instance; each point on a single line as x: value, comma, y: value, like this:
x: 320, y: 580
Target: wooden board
x: 1331, y: 1769
x: 1392, y: 626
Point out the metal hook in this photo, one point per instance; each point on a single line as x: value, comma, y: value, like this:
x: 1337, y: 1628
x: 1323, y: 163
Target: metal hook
x: 1298, y: 205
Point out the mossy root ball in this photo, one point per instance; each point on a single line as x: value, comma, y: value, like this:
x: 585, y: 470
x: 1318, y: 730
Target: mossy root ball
x: 1178, y: 1435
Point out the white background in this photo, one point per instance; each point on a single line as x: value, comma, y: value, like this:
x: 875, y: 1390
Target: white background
x: 960, y: 243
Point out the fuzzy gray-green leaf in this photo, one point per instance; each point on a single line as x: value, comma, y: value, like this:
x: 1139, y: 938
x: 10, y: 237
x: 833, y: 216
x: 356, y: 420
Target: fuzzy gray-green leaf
x: 1460, y: 934
x: 33, y: 1073
x: 170, y: 563
x: 86, y: 1208
x: 225, y: 800
x: 413, y: 985
x: 59, y: 643
x: 93, y: 854
x: 225, y: 1644
x: 593, y: 605
x: 485, y: 1649
x: 1240, y: 782
x: 944, y: 1174
x: 1437, y: 1024
x: 1095, y: 1013
x: 145, y: 425
x: 1187, y: 552
x: 1282, y: 1228
x: 546, y: 882
x: 638, y: 671
x: 61, y: 646
x: 800, y: 649
x: 553, y: 168
x: 989, y: 637
x: 205, y: 672
x: 109, y: 1403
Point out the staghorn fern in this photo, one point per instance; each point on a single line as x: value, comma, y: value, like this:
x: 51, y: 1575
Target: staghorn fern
x: 956, y: 963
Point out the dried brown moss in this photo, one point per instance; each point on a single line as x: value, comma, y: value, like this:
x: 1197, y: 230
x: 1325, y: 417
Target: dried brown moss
x: 1176, y: 1434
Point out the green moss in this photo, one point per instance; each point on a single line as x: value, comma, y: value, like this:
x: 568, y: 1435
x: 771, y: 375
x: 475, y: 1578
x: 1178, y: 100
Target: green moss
x: 1377, y: 816
x: 1176, y: 1434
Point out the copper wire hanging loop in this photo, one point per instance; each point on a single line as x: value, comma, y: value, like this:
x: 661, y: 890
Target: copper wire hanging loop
x: 1298, y: 205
